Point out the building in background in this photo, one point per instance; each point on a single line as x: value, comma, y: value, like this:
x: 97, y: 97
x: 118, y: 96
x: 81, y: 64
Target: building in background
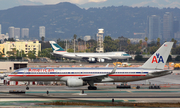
x: 122, y: 43
x: 135, y: 40
x: 16, y: 33
x: 175, y: 26
x: 81, y: 46
x: 177, y: 36
x: 168, y: 26
x: 1, y: 48
x: 3, y: 36
x: 87, y: 38
x: 154, y: 27
x: 100, y: 46
x: 25, y: 46
x: 25, y: 33
x: 11, y: 32
x: 42, y: 31
x: 139, y: 35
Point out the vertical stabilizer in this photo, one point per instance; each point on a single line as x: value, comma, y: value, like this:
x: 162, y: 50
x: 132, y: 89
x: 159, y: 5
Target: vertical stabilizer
x: 159, y: 58
x: 56, y: 47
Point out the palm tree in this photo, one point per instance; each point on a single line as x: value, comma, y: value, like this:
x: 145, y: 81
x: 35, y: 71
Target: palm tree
x: 146, y: 39
x: 158, y: 41
x: 42, y: 38
x: 175, y: 41
x: 140, y: 42
x: 128, y: 42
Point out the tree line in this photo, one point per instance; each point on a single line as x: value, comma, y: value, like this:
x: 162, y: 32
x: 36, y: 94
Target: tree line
x: 143, y: 47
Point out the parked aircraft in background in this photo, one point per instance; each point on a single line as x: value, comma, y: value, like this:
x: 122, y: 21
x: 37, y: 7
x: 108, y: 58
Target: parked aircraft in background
x: 90, y: 57
x: 74, y: 77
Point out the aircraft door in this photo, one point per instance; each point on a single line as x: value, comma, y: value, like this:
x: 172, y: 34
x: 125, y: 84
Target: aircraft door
x: 141, y: 73
x: 24, y: 75
x: 56, y: 74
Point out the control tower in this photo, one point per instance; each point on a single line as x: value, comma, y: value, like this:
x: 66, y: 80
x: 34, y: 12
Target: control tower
x: 100, y: 46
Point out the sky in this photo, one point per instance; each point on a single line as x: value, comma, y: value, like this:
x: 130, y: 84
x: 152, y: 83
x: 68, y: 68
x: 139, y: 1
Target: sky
x: 5, y: 4
x: 72, y: 1
x: 101, y: 3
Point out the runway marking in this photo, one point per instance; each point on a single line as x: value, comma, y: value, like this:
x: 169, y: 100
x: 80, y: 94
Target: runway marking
x: 129, y: 91
x: 79, y: 94
x: 82, y: 94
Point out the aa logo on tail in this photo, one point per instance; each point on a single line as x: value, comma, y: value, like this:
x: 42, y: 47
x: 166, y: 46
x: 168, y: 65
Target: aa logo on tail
x: 157, y: 59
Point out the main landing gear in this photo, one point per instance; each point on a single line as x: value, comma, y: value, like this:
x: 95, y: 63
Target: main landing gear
x: 27, y: 88
x: 91, y: 86
x: 154, y: 87
x: 123, y: 86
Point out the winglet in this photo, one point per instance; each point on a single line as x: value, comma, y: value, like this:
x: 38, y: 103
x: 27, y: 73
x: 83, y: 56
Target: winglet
x: 107, y: 65
x: 113, y: 71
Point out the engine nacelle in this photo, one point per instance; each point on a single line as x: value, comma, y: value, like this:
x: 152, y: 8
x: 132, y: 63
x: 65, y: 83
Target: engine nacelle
x: 101, y: 60
x: 75, y: 82
x: 92, y: 59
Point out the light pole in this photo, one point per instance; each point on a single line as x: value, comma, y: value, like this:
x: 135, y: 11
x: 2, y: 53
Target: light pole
x: 74, y: 45
x: 66, y: 44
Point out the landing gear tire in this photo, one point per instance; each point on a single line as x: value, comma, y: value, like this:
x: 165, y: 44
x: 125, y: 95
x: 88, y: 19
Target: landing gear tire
x: 138, y: 87
x: 123, y: 87
x: 154, y: 87
x: 92, y: 88
x: 27, y: 88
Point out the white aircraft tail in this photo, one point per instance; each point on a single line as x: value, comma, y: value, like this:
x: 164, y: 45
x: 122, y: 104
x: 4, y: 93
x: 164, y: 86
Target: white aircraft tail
x: 159, y: 58
x: 56, y: 47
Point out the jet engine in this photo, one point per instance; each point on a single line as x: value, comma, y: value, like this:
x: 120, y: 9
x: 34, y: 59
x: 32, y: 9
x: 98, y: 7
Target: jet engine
x: 75, y: 82
x: 101, y: 60
x: 92, y: 59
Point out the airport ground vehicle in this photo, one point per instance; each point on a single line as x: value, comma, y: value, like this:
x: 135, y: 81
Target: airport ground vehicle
x: 123, y: 64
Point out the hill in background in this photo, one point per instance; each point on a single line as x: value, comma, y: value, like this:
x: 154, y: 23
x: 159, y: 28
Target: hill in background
x: 63, y: 20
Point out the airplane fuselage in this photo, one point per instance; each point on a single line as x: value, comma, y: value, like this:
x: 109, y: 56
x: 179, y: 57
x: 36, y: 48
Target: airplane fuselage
x: 107, y: 55
x: 63, y: 74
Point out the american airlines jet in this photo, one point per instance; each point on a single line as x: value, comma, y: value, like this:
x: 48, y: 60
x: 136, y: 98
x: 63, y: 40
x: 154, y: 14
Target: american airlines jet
x: 75, y: 77
x: 90, y: 57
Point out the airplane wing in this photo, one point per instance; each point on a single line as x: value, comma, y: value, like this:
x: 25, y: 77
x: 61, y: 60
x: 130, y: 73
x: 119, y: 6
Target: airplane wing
x: 107, y: 58
x: 98, y: 77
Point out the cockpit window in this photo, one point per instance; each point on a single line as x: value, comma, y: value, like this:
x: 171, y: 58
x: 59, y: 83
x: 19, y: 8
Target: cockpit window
x: 126, y: 55
x: 15, y: 72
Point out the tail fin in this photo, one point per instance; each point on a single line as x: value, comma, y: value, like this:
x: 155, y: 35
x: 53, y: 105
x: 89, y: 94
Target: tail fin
x: 55, y: 46
x: 159, y: 58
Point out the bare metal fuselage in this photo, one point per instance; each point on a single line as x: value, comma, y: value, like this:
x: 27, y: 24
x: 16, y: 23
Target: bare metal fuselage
x: 62, y: 74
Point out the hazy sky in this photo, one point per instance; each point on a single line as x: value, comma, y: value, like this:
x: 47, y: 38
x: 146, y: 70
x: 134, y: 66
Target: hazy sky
x: 133, y: 3
x: 86, y: 1
x: 72, y: 1
x: 5, y: 4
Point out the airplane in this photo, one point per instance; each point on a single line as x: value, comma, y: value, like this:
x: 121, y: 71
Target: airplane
x: 90, y: 57
x: 75, y: 77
